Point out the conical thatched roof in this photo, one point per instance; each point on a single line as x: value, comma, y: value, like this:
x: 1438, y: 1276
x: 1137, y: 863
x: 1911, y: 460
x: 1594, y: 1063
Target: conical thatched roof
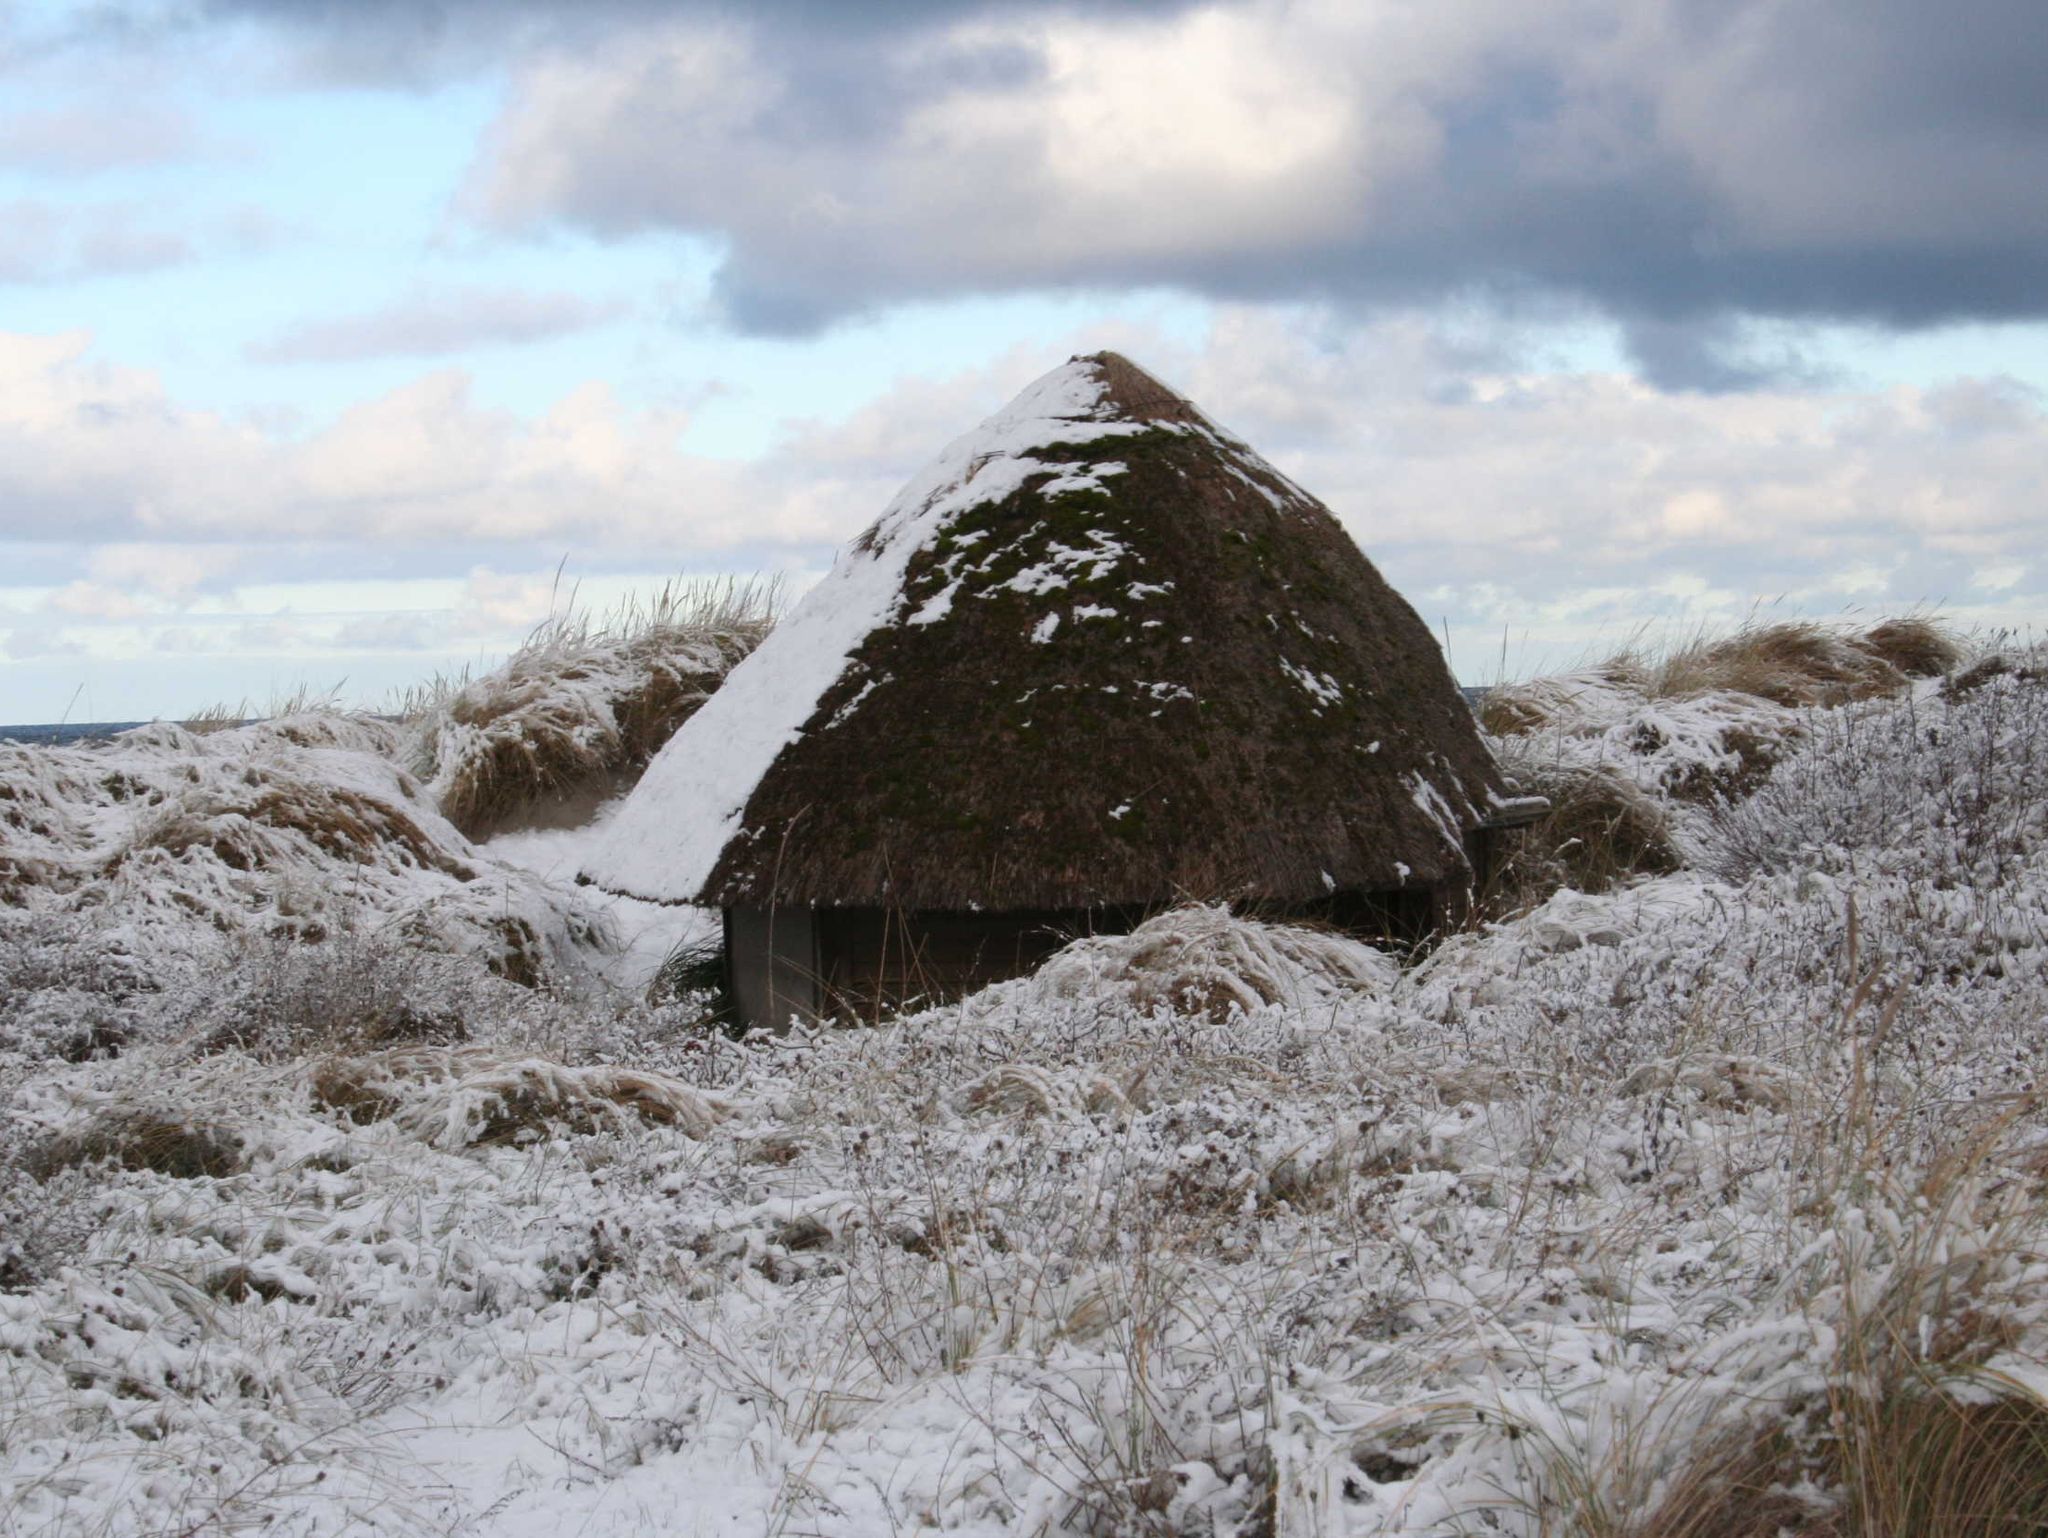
x: 1099, y: 652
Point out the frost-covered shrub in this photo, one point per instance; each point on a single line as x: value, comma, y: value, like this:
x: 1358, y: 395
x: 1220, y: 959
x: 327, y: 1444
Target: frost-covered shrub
x: 46, y: 1214
x: 1695, y: 748
x: 454, y: 1097
x: 1709, y: 1199
x: 1707, y: 719
x: 70, y: 988
x: 1949, y: 790
x: 284, y: 997
x: 1636, y: 754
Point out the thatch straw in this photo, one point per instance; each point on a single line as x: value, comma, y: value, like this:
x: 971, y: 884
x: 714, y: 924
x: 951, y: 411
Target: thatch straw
x: 1236, y: 705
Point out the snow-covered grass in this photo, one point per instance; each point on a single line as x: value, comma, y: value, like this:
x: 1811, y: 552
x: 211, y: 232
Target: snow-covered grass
x: 576, y: 712
x: 1710, y: 1203
x: 155, y: 847
x: 1636, y: 752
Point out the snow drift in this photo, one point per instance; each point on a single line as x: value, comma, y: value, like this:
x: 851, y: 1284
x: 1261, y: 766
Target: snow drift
x: 1713, y: 1199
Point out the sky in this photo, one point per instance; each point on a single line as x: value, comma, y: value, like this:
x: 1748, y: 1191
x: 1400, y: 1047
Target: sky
x: 342, y: 341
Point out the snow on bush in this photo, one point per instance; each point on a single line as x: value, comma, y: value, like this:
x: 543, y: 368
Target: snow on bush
x: 1713, y: 1199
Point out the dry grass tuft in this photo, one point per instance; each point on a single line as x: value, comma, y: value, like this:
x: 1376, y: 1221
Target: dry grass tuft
x: 141, y: 1140
x: 1510, y: 710
x: 1919, y: 1410
x: 217, y: 717
x: 1212, y: 963
x: 1915, y: 645
x: 1602, y: 830
x: 455, y: 1098
x: 240, y: 830
x: 1800, y: 663
x: 1793, y: 664
x: 579, y: 709
x: 1916, y: 1460
x: 304, y: 700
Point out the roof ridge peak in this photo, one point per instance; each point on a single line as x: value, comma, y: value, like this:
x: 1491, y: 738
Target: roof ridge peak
x: 1132, y: 393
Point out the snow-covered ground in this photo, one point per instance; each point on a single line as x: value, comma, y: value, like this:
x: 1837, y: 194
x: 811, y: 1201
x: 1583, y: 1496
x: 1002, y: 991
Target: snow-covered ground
x: 643, y: 934
x: 1213, y: 1229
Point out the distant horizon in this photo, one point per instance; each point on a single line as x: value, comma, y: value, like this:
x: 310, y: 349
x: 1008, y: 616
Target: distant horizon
x: 1651, y: 636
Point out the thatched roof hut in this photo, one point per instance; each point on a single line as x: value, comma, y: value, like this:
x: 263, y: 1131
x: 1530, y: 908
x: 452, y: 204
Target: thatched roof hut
x: 1098, y: 657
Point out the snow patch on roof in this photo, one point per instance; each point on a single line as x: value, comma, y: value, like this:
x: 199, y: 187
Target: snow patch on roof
x: 1278, y: 502
x: 938, y: 606
x: 1320, y: 687
x: 1434, y: 805
x: 1081, y: 478
x: 1066, y: 564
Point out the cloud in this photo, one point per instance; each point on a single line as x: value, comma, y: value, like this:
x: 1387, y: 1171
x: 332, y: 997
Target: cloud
x: 394, y: 633
x: 1497, y: 494
x: 95, y: 601
x: 497, y: 603
x: 1670, y: 162
x: 170, y: 573
x: 1555, y: 503
x: 43, y: 242
x: 437, y: 323
x: 105, y: 136
x: 24, y: 643
x: 95, y: 453
x: 1674, y: 165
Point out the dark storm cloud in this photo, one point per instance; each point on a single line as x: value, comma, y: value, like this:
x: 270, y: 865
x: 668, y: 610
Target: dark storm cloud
x: 1674, y: 164
x: 1879, y: 162
x: 408, y: 42
x: 831, y: 15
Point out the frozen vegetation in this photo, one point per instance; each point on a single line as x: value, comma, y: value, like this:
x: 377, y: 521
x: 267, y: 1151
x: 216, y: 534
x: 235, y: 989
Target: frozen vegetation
x: 349, y: 1182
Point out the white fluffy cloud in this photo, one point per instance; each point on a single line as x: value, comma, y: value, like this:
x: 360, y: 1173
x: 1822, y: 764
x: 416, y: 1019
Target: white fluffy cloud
x: 1557, y: 504
x: 1487, y: 490
x: 90, y: 451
